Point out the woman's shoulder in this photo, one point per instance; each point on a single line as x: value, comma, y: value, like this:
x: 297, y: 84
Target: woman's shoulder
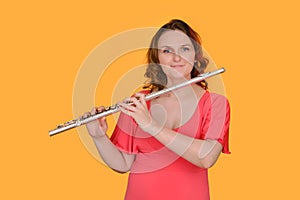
x: 216, y: 95
x: 211, y: 98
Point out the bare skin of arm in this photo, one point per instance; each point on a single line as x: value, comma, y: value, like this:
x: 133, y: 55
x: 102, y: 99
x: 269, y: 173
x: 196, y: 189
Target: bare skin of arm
x: 111, y: 155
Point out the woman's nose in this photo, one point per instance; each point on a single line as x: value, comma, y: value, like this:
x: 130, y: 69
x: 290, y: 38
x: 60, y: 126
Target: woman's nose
x: 176, y: 57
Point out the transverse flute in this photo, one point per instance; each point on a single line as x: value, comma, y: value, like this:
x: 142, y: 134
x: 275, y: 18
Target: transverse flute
x: 115, y: 108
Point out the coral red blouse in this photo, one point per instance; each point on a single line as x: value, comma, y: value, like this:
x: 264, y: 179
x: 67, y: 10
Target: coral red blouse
x: 158, y: 173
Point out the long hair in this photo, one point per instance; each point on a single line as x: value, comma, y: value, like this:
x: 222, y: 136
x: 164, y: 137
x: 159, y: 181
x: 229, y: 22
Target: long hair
x: 157, y: 78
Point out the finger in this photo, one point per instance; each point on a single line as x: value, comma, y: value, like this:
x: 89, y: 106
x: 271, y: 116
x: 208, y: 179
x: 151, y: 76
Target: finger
x: 100, y: 109
x: 87, y: 114
x: 102, y: 121
x: 93, y: 111
x: 136, y: 102
x: 125, y: 111
x: 141, y: 97
x: 128, y: 107
x: 126, y: 100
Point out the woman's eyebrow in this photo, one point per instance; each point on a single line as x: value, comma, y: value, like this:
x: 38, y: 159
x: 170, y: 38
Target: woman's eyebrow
x: 167, y: 46
x: 187, y: 44
x: 164, y: 46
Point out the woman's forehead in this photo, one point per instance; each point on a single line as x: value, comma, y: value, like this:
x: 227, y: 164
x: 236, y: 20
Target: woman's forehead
x: 173, y: 38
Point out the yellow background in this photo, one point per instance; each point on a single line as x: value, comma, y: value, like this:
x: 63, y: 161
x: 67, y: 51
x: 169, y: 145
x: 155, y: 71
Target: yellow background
x: 43, y: 45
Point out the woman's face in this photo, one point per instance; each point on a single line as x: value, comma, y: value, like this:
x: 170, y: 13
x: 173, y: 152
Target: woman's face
x: 176, y: 54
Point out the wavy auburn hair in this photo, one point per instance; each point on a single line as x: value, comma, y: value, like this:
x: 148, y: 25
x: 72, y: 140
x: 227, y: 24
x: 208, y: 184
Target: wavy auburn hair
x: 157, y: 78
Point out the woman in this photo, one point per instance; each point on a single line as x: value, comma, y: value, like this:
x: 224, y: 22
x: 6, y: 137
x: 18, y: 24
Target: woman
x: 168, y: 143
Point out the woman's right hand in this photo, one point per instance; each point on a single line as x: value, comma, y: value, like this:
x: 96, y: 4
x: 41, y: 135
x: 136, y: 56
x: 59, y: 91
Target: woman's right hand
x: 96, y: 128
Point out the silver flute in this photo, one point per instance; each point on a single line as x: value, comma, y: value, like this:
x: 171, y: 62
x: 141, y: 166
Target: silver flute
x: 115, y: 108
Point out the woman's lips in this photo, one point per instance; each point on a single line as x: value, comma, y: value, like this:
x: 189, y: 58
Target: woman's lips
x: 177, y: 66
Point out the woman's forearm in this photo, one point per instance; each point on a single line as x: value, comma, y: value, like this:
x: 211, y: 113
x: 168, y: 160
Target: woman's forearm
x: 202, y: 153
x: 112, y: 156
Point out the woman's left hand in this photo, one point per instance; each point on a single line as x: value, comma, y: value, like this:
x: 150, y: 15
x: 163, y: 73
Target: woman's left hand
x: 138, y: 110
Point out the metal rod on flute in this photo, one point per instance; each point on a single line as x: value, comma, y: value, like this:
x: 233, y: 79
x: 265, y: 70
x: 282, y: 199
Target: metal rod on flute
x: 115, y: 108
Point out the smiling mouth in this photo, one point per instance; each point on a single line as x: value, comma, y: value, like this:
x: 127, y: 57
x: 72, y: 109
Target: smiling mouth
x: 174, y: 66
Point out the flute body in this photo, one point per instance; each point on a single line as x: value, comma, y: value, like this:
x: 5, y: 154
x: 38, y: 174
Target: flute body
x: 115, y: 108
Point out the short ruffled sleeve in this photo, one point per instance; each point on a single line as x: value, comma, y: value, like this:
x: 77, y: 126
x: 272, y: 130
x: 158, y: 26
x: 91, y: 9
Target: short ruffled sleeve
x: 122, y: 135
x: 126, y: 132
x: 217, y: 119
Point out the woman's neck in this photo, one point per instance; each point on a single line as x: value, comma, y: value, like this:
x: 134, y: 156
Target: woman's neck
x: 176, y: 81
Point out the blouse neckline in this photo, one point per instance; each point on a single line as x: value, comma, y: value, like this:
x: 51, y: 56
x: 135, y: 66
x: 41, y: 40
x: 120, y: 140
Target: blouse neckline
x: 199, y: 101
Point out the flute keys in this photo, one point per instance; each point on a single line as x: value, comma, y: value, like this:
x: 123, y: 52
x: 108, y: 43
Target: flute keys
x: 114, y: 106
x: 66, y: 124
x: 72, y: 122
x: 60, y: 125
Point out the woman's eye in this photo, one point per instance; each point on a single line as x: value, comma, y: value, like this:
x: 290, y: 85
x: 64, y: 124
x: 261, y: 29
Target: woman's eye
x: 185, y: 48
x: 167, y: 51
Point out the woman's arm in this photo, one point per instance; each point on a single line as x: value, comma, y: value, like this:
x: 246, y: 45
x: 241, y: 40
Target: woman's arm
x: 202, y: 153
x: 111, y: 155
